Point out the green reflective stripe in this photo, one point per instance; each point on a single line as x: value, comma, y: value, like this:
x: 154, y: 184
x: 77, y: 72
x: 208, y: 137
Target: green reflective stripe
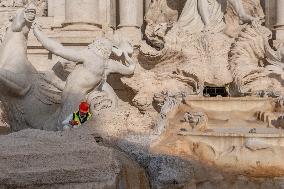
x: 89, y: 116
x: 76, y: 117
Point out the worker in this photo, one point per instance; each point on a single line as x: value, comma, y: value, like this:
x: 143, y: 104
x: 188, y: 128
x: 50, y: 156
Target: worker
x: 76, y: 119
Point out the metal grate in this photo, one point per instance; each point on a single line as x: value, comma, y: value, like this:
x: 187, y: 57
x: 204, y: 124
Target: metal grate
x: 215, y: 91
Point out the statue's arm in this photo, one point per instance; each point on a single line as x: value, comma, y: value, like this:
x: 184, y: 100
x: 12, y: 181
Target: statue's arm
x: 116, y: 67
x: 57, y: 48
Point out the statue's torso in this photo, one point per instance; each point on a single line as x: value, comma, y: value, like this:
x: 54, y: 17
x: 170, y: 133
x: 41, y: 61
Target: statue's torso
x: 95, y: 64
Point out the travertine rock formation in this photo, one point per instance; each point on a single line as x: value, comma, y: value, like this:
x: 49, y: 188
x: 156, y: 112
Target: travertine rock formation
x: 40, y: 159
x: 256, y: 67
x: 186, y: 53
x: 156, y: 115
x: 197, y: 120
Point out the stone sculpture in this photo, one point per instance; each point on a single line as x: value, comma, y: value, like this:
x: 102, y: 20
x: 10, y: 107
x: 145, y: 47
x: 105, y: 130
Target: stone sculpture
x: 93, y: 67
x: 182, y: 52
x: 182, y: 140
x: 12, y: 3
x: 196, y: 15
x: 209, y: 15
x: 23, y: 86
x: 40, y: 4
x: 20, y: 82
x: 257, y: 68
x: 197, y: 120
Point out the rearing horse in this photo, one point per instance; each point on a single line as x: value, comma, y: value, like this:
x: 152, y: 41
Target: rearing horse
x: 20, y: 91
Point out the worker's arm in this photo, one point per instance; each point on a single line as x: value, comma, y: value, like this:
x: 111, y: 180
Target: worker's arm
x: 67, y: 120
x: 56, y: 47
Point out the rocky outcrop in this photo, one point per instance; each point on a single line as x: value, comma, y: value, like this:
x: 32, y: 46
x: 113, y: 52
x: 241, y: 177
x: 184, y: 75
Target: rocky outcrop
x: 40, y: 159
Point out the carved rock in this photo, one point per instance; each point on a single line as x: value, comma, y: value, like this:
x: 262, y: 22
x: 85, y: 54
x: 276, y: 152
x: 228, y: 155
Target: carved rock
x: 34, y: 158
x: 197, y: 120
x: 256, y: 67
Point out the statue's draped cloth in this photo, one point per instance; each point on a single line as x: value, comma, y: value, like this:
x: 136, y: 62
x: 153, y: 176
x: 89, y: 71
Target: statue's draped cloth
x: 190, y: 19
x: 205, y: 53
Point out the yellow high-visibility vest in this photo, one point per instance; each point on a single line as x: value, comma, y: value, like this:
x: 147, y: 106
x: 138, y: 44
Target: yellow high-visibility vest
x: 76, y: 117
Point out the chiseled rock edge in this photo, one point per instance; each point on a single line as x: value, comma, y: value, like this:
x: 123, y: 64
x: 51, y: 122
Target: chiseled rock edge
x: 41, y: 159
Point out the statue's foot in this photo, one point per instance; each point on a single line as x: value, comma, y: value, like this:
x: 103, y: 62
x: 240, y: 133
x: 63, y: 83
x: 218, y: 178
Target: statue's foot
x: 206, y: 29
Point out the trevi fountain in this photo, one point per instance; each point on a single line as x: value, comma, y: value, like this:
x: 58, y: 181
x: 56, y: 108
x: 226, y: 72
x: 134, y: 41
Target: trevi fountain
x: 185, y: 94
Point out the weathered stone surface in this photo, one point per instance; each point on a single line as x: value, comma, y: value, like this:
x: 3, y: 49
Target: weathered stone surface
x: 256, y: 67
x: 188, y: 46
x: 40, y: 159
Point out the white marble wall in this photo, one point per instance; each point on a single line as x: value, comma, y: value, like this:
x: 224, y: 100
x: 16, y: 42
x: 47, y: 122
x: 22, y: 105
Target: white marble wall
x: 279, y: 26
x: 270, y: 13
x: 99, y: 12
x: 131, y: 13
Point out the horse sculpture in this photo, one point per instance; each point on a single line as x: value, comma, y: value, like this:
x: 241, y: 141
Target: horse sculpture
x: 32, y: 99
x: 21, y: 94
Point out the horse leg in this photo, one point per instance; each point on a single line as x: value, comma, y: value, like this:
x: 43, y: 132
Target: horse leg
x: 14, y: 83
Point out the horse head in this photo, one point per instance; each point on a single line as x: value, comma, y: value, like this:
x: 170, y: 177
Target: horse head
x: 24, y: 18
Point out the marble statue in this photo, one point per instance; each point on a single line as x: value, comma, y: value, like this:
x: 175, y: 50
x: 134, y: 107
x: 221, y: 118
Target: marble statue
x: 40, y: 4
x: 208, y: 11
x: 148, y: 101
x: 20, y: 81
x: 13, y: 3
x: 93, y: 67
x: 22, y: 86
x: 257, y: 68
x: 190, y: 50
x: 196, y: 16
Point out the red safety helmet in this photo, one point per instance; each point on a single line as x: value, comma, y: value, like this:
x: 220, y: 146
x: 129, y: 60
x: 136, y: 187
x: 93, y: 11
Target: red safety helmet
x: 84, y: 107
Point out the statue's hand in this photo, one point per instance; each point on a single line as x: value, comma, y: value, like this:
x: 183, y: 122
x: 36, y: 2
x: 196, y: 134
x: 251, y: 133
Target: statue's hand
x: 126, y: 47
x: 122, y: 48
x: 35, y: 25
